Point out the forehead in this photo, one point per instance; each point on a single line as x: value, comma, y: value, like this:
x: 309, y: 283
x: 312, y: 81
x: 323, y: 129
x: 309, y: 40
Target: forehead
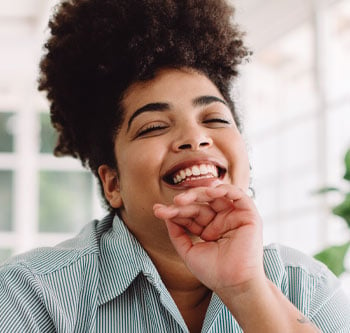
x: 178, y: 86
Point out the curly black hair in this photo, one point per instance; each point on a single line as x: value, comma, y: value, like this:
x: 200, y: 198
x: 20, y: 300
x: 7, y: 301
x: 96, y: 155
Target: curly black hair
x: 98, y: 48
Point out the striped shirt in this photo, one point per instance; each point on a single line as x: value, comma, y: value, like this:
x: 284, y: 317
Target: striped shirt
x: 104, y: 281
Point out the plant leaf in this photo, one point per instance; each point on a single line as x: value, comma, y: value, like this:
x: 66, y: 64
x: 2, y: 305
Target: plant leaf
x: 343, y: 209
x: 347, y: 166
x: 333, y: 257
x: 323, y: 190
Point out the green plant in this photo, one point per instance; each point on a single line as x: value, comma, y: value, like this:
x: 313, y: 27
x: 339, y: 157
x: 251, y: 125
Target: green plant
x: 334, y: 256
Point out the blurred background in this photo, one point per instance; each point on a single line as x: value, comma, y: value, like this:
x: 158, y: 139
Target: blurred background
x: 294, y: 96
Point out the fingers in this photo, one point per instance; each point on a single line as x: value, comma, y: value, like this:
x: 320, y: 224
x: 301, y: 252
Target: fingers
x: 226, y: 193
x: 223, y: 226
x: 181, y: 241
x: 193, y: 217
x: 220, y: 197
x: 210, y: 212
x: 198, y: 211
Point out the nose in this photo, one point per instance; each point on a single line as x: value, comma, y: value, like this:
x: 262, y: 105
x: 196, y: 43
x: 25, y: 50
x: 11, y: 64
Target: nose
x: 192, y: 138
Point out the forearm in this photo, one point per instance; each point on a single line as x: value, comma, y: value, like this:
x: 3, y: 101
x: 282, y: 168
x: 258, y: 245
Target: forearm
x: 261, y: 307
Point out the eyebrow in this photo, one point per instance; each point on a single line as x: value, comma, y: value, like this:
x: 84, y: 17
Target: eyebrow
x: 153, y: 107
x: 205, y: 100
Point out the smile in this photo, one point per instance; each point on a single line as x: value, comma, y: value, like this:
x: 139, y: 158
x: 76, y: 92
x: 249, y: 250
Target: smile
x: 193, y: 173
x: 197, y: 171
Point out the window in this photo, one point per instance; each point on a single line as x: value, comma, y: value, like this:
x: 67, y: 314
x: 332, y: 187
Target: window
x: 48, y: 135
x: 6, y: 131
x: 6, y: 200
x: 43, y: 199
x: 65, y: 200
x: 296, y: 99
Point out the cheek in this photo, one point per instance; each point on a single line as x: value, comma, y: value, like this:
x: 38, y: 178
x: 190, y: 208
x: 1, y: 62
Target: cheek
x: 239, y: 162
x: 140, y: 163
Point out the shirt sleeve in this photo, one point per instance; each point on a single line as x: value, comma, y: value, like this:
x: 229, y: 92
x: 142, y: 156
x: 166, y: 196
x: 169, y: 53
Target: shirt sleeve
x: 330, y: 306
x: 21, y: 305
x: 310, y: 286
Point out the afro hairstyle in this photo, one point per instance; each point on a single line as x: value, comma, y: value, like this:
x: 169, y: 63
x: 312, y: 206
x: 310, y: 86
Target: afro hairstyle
x: 98, y: 48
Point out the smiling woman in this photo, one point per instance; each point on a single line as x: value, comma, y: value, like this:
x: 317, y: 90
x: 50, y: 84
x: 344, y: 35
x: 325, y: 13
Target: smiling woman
x: 181, y: 123
x: 147, y: 108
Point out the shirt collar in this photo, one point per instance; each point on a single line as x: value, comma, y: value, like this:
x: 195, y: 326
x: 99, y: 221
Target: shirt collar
x: 121, y: 260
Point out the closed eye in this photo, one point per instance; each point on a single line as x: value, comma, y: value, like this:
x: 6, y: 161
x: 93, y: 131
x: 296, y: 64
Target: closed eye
x: 150, y: 129
x: 217, y: 120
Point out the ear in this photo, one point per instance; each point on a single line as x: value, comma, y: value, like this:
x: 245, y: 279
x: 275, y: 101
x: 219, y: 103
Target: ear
x: 110, y: 182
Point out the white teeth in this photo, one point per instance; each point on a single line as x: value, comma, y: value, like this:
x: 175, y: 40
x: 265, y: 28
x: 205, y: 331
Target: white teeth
x: 203, y: 170
x: 215, y: 172
x: 196, y: 171
x: 178, y: 178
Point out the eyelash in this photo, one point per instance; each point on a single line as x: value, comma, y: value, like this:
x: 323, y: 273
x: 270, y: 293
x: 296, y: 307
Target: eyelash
x: 150, y: 128
x: 217, y: 120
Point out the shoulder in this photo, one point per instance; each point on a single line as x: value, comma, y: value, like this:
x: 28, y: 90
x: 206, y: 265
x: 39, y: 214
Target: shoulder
x: 46, y: 260
x: 289, y: 268
x: 279, y: 257
x: 43, y: 281
x: 310, y: 286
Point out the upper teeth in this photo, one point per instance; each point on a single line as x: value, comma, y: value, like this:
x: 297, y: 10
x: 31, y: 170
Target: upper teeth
x: 196, y: 170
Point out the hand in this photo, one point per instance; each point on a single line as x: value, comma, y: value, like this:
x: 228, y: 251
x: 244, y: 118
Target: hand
x: 228, y: 252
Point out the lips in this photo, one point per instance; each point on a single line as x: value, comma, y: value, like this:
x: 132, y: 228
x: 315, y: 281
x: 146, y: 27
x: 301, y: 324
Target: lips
x: 193, y: 172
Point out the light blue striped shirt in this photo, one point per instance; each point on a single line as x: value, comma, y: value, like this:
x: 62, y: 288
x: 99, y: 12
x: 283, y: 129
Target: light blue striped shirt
x: 104, y: 281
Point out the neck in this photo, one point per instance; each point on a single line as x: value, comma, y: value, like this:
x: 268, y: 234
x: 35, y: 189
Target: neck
x: 190, y: 295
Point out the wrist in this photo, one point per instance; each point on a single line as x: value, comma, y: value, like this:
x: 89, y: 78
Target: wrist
x: 259, y: 306
x: 245, y: 293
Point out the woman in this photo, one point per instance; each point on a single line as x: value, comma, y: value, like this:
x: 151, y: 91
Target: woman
x: 140, y: 93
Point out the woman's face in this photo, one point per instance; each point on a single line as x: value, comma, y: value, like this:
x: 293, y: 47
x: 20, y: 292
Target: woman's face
x: 177, y: 133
